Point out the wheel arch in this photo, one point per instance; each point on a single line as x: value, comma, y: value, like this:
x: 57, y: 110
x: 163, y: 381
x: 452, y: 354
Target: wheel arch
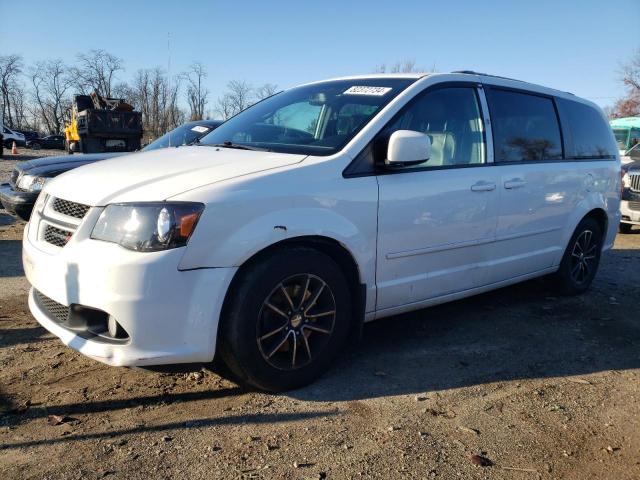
x: 327, y: 245
x: 596, y: 206
x: 600, y: 216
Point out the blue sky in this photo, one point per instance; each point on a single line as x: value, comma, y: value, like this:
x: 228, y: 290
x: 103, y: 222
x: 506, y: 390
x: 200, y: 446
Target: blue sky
x: 570, y: 45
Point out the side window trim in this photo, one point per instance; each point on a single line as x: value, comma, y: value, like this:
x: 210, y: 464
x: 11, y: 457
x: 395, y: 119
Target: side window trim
x: 559, y: 120
x: 487, y: 128
x: 565, y: 130
x: 363, y: 164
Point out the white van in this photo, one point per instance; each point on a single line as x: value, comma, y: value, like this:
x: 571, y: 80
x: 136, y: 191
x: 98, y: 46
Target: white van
x: 327, y: 205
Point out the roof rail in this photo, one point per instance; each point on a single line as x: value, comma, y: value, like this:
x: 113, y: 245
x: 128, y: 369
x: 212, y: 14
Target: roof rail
x: 471, y: 72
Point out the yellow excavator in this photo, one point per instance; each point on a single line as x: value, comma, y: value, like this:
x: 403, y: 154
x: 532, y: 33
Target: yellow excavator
x: 100, y: 124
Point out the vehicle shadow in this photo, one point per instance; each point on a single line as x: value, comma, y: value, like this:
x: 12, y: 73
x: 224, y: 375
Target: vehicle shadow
x: 256, y: 419
x: 6, y: 219
x: 519, y: 332
x: 11, y: 258
x: 18, y: 336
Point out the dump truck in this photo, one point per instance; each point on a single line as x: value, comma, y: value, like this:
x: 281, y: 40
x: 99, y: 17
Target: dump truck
x: 100, y: 124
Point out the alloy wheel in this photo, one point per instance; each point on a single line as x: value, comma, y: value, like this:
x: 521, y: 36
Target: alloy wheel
x: 296, y: 322
x: 584, y: 257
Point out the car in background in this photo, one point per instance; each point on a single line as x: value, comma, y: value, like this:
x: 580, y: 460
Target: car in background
x: 29, y: 134
x: 9, y: 136
x: 630, y: 202
x: 27, y: 178
x: 50, y: 142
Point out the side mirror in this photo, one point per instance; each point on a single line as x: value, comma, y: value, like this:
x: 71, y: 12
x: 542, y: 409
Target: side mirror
x: 408, y: 147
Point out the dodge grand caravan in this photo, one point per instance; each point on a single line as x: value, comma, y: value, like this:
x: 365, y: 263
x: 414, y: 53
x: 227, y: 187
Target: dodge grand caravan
x: 271, y: 241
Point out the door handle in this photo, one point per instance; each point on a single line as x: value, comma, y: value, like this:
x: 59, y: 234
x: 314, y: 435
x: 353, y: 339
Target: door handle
x: 514, y: 183
x: 483, y: 186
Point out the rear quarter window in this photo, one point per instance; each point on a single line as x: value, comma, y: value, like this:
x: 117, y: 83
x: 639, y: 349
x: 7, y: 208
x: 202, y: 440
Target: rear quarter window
x: 525, y: 127
x: 589, y: 133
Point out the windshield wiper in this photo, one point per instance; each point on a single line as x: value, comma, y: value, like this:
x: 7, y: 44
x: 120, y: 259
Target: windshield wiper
x: 238, y: 146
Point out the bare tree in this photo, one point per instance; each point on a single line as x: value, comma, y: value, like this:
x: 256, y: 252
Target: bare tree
x: 10, y: 70
x: 224, y: 108
x: 51, y: 84
x: 629, y: 105
x: 196, y: 93
x: 157, y: 99
x: 631, y: 73
x: 239, y: 95
x: 125, y: 91
x: 97, y: 69
x: 20, y: 112
x: 266, y: 90
x: 405, y: 66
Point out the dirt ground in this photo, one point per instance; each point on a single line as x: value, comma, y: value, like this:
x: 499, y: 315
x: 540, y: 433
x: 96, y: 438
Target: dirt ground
x: 544, y: 387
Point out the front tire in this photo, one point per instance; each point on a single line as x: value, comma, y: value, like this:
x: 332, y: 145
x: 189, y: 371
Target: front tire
x: 581, y: 259
x: 287, y: 320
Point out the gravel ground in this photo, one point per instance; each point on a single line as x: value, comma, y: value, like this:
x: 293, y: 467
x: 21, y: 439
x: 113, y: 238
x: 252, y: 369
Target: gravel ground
x: 541, y: 387
x: 7, y: 161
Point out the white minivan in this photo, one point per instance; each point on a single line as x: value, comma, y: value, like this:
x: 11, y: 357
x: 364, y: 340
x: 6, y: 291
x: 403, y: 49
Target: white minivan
x: 269, y: 243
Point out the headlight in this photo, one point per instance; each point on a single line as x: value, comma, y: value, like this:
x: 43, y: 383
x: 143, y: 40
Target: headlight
x: 626, y: 181
x: 148, y: 227
x: 32, y: 183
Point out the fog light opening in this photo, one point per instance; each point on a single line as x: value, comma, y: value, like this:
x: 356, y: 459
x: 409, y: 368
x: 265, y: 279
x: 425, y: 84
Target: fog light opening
x: 114, y: 328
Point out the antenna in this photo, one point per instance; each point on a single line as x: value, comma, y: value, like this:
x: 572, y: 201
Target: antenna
x: 169, y: 70
x: 169, y: 53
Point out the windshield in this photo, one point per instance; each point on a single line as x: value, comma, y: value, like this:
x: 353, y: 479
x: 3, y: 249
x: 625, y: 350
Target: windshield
x: 182, y: 135
x: 317, y: 119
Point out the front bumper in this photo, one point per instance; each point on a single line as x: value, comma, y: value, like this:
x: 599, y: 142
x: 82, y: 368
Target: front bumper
x: 171, y: 316
x: 16, y: 202
x: 630, y: 212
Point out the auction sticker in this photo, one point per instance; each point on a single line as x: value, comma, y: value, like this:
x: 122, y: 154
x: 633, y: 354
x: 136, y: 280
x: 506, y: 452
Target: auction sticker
x: 364, y: 90
x: 200, y: 129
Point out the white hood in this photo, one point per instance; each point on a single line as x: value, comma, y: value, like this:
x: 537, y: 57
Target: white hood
x: 160, y: 174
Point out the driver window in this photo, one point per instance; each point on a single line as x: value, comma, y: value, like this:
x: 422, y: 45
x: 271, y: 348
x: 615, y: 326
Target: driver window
x: 451, y: 118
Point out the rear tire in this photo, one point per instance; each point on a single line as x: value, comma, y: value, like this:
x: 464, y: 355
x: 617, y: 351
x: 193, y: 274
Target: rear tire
x: 288, y: 318
x: 581, y: 259
x: 625, y: 227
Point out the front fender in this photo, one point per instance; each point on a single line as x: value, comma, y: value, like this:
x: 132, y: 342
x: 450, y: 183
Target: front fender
x: 243, y: 218
x: 259, y: 233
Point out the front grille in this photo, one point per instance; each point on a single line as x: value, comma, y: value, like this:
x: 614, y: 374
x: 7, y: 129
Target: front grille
x: 56, y: 236
x: 55, y: 310
x: 70, y: 209
x: 634, y: 179
x: 635, y: 206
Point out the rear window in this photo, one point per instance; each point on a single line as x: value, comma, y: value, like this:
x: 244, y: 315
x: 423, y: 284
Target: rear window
x: 525, y: 127
x: 590, y: 134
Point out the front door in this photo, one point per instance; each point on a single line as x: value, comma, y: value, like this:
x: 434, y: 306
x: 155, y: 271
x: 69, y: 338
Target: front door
x: 436, y: 219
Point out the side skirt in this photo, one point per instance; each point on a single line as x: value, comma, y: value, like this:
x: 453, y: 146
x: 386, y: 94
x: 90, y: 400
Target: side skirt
x: 387, y: 312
